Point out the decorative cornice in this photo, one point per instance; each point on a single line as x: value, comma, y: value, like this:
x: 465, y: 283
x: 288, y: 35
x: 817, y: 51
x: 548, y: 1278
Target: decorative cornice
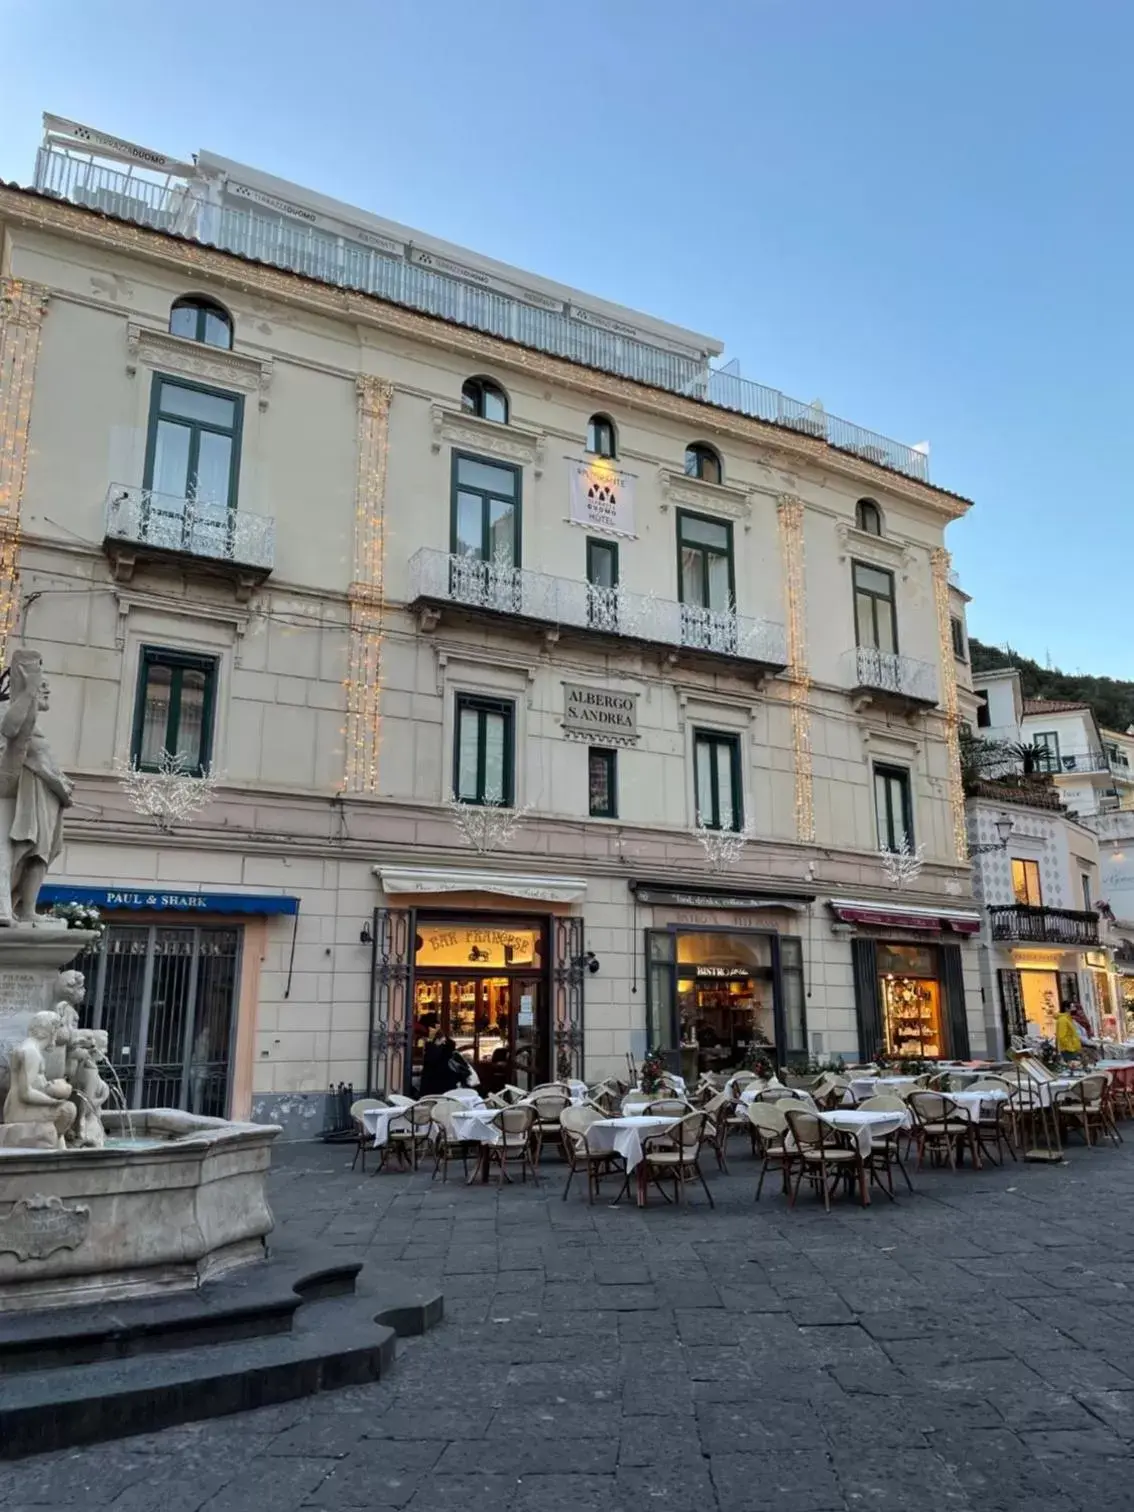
x: 176, y: 354
x: 511, y: 442
x: 871, y: 548
x: 679, y: 489
x: 27, y: 209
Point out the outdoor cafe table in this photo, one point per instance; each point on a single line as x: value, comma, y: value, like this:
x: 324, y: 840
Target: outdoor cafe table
x: 377, y: 1121
x: 866, y: 1086
x: 866, y: 1125
x: 623, y: 1136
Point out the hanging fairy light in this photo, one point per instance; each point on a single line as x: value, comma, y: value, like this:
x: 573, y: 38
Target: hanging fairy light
x: 790, y: 511
x: 367, y: 589
x: 940, y: 562
x: 22, y: 307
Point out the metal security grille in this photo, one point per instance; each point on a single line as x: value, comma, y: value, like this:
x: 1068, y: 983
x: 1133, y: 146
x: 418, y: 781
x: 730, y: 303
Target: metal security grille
x: 166, y: 998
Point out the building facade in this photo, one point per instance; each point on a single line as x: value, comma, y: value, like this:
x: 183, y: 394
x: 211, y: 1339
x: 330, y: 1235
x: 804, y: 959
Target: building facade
x: 555, y: 687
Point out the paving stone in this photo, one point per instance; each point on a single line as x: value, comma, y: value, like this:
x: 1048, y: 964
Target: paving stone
x: 802, y: 1482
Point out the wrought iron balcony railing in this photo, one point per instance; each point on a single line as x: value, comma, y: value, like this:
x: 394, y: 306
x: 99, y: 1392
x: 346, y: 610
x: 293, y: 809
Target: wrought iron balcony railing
x: 437, y: 577
x: 886, y: 673
x: 191, y: 527
x: 185, y: 210
x: 1044, y: 926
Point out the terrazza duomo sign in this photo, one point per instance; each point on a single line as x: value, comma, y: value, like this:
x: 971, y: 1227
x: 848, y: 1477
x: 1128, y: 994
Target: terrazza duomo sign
x: 594, y: 711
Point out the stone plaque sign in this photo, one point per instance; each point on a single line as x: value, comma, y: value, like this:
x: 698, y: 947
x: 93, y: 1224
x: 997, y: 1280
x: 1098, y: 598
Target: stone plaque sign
x: 599, y: 714
x: 21, y: 992
x: 38, y: 1226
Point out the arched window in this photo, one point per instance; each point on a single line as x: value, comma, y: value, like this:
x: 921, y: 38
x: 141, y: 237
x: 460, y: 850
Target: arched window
x: 600, y: 436
x: 702, y: 462
x: 868, y: 517
x: 482, y: 397
x: 201, y: 319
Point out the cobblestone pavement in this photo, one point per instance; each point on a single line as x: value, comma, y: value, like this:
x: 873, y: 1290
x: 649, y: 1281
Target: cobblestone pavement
x: 971, y: 1346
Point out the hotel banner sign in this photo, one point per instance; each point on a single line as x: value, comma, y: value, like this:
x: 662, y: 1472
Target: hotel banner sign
x: 597, y: 714
x: 602, y: 498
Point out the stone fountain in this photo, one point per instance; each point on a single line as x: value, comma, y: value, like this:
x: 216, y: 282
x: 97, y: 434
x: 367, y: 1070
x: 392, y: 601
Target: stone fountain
x: 96, y: 1204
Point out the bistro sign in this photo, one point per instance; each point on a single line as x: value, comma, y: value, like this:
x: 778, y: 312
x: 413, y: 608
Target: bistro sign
x: 597, y: 712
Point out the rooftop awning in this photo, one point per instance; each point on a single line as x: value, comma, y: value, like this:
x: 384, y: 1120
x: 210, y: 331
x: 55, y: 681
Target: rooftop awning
x: 928, y: 920
x: 446, y: 879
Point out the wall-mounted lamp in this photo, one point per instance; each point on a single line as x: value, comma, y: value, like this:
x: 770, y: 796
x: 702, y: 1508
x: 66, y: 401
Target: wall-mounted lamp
x: 1004, y: 827
x: 589, y: 960
x: 364, y: 935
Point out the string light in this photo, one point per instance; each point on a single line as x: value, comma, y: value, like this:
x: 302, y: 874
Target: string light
x: 940, y: 561
x: 367, y: 590
x: 790, y: 511
x: 22, y: 307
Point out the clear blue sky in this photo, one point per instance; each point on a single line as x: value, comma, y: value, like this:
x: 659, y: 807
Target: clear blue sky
x: 918, y: 211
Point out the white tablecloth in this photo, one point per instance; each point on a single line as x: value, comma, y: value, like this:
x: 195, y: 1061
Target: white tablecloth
x: 623, y: 1136
x: 377, y: 1121
x: 866, y: 1086
x: 475, y: 1124
x: 1113, y: 1065
x: 868, y: 1125
x: 467, y: 1095
x: 971, y: 1101
x: 775, y: 1094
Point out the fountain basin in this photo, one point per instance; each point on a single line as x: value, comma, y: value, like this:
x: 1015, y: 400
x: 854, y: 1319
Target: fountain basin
x: 175, y: 1200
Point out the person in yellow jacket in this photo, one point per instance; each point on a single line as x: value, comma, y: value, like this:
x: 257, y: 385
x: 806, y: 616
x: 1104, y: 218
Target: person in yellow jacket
x: 1067, y: 1040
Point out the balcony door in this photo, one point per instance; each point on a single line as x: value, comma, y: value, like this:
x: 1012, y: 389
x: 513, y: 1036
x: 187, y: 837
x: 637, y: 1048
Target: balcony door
x: 192, y: 465
x: 485, y: 533
x: 706, y: 584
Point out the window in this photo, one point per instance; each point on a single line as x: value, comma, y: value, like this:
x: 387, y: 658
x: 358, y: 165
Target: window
x: 875, y: 618
x: 600, y: 436
x: 1047, y: 751
x: 193, y: 446
x: 200, y: 319
x: 485, y: 756
x: 1085, y: 877
x: 486, y: 510
x: 957, y: 631
x: 716, y: 780
x: 482, y: 397
x: 868, y: 517
x: 174, y: 709
x: 893, y: 807
x: 704, y: 552
x: 702, y: 462
x: 602, y: 783
x: 602, y: 584
x: 983, y: 712
x: 1026, y: 883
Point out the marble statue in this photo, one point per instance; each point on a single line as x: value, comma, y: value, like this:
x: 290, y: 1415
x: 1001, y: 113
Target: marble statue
x: 33, y: 793
x: 34, y: 1103
x: 88, y: 1090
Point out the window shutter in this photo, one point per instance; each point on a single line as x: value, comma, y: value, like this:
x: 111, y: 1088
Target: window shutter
x: 954, y: 984
x: 1011, y: 1004
x: 867, y: 999
x: 1069, y: 990
x: 662, y: 1032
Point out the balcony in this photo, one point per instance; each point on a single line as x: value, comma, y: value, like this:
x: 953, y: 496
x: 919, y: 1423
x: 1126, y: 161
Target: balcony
x: 883, y: 677
x: 557, y: 605
x: 144, y: 526
x: 1044, y: 926
x: 304, y: 242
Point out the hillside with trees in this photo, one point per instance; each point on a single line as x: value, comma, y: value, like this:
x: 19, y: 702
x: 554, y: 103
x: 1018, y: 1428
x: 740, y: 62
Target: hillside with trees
x: 1111, y: 698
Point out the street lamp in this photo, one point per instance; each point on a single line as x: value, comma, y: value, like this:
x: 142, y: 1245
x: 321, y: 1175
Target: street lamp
x: 1004, y: 827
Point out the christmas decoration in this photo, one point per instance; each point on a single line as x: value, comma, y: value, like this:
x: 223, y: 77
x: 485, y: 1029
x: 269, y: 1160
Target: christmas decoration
x: 172, y: 795
x: 486, y: 826
x: 722, y: 846
x: 902, y: 866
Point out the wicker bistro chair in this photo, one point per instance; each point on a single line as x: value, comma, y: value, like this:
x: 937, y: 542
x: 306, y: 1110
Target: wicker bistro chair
x: 517, y: 1128
x: 549, y: 1107
x: 996, y: 1120
x: 886, y: 1149
x: 361, y: 1138
x: 721, y: 1113
x: 676, y: 1154
x: 942, y: 1127
x: 769, y: 1126
x: 1088, y: 1108
x: 825, y: 1156
x: 574, y: 1124
x: 411, y: 1141
x: 446, y: 1145
x: 667, y: 1107
x: 399, y: 1100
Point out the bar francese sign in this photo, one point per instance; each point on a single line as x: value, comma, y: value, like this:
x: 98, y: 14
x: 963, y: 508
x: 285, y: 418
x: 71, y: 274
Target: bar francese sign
x: 599, y: 714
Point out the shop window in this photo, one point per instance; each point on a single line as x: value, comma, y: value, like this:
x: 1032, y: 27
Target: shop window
x: 702, y: 462
x: 200, y: 319
x: 893, y: 808
x: 911, y: 1000
x: 485, y: 399
x: 957, y: 631
x: 174, y: 709
x: 875, y: 613
x: 1047, y: 751
x: 602, y: 783
x: 705, y: 565
x: 600, y: 436
x: 193, y: 443
x: 1026, y: 883
x: 726, y: 999
x: 484, y: 759
x: 868, y: 517
x: 716, y: 780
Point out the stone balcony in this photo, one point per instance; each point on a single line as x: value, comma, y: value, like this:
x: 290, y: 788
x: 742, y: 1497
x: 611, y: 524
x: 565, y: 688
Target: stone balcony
x: 144, y: 526
x: 442, y: 583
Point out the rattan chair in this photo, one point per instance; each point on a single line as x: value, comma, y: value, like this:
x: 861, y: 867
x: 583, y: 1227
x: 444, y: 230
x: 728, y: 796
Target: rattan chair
x: 942, y: 1127
x: 516, y: 1127
x: 361, y: 1138
x: 1088, y: 1108
x: 549, y: 1106
x: 886, y: 1149
x: 769, y: 1125
x: 411, y: 1141
x: 676, y: 1154
x: 447, y: 1145
x: 574, y: 1123
x: 825, y: 1156
x: 667, y: 1107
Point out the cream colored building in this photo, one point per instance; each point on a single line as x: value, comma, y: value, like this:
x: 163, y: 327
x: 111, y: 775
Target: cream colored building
x: 470, y: 533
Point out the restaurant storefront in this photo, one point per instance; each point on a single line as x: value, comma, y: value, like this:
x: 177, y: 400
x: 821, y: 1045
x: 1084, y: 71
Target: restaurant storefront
x: 909, y: 987
x: 724, y: 977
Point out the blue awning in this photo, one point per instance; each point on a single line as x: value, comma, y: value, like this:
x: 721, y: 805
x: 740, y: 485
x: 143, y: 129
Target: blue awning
x: 156, y: 899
